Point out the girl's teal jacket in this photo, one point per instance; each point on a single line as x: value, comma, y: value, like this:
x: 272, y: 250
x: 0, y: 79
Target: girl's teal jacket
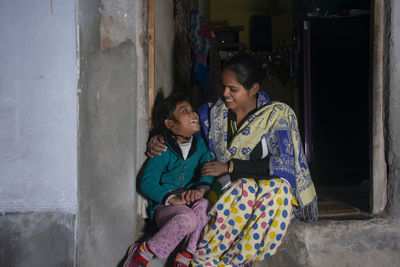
x: 170, y: 173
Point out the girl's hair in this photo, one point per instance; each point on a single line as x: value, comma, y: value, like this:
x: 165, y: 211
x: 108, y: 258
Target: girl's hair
x: 165, y: 110
x: 247, y: 68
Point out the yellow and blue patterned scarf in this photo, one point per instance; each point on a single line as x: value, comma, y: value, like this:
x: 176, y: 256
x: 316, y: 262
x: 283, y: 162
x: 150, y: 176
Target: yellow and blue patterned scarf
x: 278, y: 124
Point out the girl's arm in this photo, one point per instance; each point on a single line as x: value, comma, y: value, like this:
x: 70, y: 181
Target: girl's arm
x: 192, y: 195
x: 150, y: 182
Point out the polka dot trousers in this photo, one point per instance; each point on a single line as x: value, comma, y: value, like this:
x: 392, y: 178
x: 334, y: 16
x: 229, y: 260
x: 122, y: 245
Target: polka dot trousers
x: 248, y: 223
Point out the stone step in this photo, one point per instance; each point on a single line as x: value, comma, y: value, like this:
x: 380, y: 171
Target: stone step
x: 157, y: 263
x: 373, y: 242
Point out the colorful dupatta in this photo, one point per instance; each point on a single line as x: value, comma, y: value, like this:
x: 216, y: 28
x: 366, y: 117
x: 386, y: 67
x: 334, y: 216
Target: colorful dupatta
x: 278, y: 124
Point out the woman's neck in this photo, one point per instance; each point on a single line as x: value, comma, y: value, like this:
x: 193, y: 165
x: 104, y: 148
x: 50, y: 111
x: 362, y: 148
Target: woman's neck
x: 241, y: 113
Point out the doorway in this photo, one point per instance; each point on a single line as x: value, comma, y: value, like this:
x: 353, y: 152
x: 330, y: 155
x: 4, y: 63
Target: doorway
x: 344, y: 192
x: 336, y: 90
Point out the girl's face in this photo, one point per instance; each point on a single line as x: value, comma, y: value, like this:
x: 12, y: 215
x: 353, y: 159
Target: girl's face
x: 186, y: 121
x: 236, y: 96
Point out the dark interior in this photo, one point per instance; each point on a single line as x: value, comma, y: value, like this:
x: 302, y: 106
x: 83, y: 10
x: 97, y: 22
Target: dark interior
x: 335, y: 65
x: 328, y: 61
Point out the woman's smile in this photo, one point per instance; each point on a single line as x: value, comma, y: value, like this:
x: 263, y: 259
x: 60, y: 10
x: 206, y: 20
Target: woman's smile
x: 236, y: 96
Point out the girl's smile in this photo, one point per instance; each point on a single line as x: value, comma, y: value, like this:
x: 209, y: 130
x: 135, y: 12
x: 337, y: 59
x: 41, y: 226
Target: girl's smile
x: 186, y: 122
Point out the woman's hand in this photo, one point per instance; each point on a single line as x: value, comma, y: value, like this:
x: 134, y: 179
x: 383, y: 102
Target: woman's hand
x: 191, y: 196
x: 155, y: 146
x: 176, y: 201
x: 214, y: 168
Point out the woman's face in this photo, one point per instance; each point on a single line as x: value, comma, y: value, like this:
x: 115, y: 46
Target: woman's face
x: 186, y: 121
x: 237, y: 97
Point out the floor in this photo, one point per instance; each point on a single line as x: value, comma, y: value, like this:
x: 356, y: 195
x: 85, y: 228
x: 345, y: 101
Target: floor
x: 343, y: 202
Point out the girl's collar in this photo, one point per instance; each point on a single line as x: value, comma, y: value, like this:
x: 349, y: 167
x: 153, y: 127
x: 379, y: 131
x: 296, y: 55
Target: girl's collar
x: 174, y: 145
x: 185, y: 138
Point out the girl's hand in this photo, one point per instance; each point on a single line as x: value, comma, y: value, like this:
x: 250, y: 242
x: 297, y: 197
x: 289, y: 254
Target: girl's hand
x: 214, y: 168
x: 155, y: 146
x: 191, y: 196
x: 176, y: 201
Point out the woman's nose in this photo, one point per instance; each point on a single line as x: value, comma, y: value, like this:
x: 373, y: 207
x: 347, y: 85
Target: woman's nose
x: 226, y: 91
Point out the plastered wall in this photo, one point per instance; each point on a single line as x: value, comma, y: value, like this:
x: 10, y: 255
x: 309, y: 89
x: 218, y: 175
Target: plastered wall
x: 38, y: 106
x: 38, y: 133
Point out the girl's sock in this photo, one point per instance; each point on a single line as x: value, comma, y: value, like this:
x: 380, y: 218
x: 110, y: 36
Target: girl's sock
x: 182, y: 259
x: 144, y: 254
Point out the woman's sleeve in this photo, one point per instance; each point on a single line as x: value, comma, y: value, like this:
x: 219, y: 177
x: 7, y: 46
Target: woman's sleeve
x: 256, y: 169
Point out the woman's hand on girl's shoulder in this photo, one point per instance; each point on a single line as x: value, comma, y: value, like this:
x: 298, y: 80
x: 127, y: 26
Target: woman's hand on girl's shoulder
x: 155, y: 146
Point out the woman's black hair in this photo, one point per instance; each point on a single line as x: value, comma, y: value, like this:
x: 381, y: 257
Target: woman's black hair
x: 165, y: 110
x: 247, y: 68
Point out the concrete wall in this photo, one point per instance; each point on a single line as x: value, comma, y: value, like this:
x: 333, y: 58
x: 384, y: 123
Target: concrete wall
x: 112, y: 126
x: 163, y: 48
x: 392, y: 104
x: 38, y: 133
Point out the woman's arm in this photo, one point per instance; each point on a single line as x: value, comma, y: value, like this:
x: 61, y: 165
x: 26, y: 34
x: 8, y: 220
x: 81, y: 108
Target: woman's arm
x: 214, y: 168
x: 237, y: 169
x: 256, y: 169
x: 155, y: 145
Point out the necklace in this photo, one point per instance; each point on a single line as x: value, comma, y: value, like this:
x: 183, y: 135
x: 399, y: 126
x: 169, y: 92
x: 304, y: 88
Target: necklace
x: 233, y: 127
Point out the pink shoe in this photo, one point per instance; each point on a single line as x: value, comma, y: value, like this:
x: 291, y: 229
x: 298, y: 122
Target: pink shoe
x: 133, y: 249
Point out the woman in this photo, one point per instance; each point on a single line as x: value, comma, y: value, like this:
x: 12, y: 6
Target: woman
x: 264, y: 177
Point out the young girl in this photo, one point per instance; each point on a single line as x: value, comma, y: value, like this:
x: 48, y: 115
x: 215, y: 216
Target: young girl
x: 174, y: 186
